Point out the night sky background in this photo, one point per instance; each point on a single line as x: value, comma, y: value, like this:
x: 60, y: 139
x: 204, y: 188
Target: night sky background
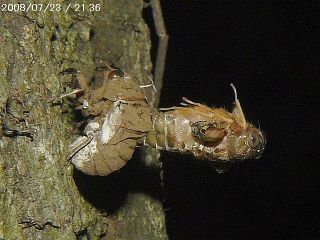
x: 268, y: 49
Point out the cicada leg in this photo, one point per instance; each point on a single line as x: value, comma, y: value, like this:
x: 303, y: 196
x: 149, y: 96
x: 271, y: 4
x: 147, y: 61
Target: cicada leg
x: 149, y: 85
x: 75, y: 91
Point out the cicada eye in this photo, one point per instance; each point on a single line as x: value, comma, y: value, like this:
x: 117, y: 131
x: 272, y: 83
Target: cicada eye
x: 256, y: 140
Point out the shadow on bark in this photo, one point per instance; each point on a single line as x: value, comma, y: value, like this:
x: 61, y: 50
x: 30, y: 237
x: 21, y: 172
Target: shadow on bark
x: 109, y: 193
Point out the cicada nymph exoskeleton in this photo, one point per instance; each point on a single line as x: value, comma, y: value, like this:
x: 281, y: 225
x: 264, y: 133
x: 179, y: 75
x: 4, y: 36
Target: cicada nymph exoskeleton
x: 208, y: 133
x: 121, y: 119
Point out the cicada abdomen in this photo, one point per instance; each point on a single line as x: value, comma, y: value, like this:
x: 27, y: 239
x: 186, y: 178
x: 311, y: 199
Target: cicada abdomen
x: 207, y: 133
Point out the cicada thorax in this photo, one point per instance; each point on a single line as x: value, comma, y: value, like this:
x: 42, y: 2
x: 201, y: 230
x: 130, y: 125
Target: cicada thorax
x: 120, y: 118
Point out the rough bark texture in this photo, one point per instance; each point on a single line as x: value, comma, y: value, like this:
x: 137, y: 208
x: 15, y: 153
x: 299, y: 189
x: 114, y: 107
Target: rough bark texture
x: 41, y: 197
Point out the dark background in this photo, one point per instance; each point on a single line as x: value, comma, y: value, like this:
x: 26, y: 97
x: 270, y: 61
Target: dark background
x: 268, y: 50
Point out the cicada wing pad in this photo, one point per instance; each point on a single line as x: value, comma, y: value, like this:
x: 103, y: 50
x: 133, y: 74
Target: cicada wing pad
x: 207, y: 124
x: 205, y: 113
x: 207, y: 132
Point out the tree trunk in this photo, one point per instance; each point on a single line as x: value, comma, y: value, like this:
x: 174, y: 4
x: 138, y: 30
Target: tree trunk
x: 42, y: 197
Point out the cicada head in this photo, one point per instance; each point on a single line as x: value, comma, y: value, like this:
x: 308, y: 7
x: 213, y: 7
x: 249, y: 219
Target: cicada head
x: 235, y: 144
x: 246, y: 144
x: 227, y: 136
x: 238, y: 146
x: 244, y: 141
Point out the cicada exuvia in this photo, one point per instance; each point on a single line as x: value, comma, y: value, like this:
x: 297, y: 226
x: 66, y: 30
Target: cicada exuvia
x: 121, y: 120
x: 208, y: 133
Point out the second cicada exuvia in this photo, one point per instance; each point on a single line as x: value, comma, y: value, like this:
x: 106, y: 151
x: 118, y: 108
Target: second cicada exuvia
x: 208, y: 133
x: 121, y: 119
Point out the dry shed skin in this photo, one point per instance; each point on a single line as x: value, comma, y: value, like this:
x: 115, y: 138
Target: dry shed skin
x: 208, y: 133
x: 122, y: 119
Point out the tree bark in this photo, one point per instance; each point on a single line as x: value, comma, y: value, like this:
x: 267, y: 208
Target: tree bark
x: 41, y: 197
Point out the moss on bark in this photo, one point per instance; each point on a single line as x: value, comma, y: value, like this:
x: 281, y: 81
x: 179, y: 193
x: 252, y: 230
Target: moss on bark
x: 38, y: 195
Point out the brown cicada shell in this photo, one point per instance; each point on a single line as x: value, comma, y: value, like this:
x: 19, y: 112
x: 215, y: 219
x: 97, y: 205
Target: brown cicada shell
x: 207, y: 133
x: 122, y: 119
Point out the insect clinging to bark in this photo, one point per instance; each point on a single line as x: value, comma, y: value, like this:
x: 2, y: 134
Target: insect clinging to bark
x: 122, y: 119
x: 120, y: 116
